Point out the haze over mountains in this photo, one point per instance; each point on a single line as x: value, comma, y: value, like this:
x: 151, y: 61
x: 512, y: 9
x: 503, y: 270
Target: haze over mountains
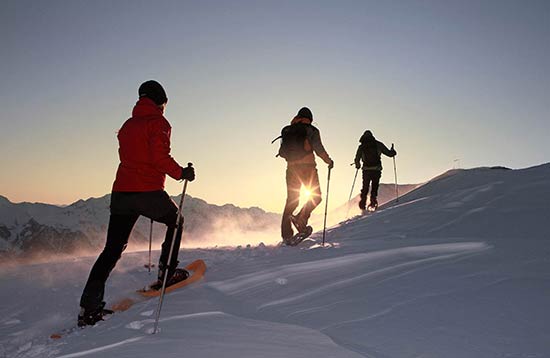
x: 31, y: 229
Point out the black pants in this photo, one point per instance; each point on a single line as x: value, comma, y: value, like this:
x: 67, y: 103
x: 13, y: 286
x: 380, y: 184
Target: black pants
x: 296, y: 176
x: 369, y: 176
x: 125, y: 210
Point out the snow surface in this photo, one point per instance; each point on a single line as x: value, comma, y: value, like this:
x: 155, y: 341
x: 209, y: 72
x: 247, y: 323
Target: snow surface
x: 459, y: 267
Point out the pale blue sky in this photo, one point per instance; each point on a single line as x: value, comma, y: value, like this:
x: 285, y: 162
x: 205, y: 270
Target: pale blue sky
x: 441, y: 79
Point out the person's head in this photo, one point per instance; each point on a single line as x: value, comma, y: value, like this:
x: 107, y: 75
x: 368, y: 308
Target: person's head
x: 305, y: 112
x: 154, y: 91
x: 366, y: 136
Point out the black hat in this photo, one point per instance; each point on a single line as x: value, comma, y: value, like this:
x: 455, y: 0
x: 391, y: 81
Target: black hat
x: 153, y: 90
x: 305, y: 112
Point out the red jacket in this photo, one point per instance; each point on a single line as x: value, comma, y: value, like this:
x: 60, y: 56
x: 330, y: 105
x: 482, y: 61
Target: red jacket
x: 144, y: 150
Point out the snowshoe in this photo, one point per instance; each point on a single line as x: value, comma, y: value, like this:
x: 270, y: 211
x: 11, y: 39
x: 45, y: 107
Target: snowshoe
x: 89, y: 317
x: 179, y: 275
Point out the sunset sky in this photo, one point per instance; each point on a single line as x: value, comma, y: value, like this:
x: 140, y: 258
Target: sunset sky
x: 443, y: 80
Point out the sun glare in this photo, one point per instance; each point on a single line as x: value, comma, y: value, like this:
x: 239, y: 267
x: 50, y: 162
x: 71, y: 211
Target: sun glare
x: 305, y: 194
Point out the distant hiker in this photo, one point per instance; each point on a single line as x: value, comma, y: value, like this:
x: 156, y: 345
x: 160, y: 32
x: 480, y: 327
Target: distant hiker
x: 369, y: 152
x: 138, y: 189
x: 299, y: 141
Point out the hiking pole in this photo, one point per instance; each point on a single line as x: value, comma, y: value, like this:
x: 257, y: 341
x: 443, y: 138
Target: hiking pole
x: 326, y: 207
x: 178, y: 220
x: 395, y: 174
x: 150, y: 243
x: 351, y: 192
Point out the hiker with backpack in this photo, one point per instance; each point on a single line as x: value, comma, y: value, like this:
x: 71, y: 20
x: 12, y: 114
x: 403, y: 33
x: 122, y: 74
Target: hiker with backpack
x: 299, y: 141
x: 138, y: 189
x: 369, y: 151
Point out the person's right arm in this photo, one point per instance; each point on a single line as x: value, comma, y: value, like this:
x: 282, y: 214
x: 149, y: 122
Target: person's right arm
x: 387, y: 152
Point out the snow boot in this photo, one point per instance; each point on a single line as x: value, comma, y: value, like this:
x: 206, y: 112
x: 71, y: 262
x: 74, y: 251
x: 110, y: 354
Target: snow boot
x: 299, y: 237
x: 373, y: 204
x: 179, y: 275
x: 89, y: 317
x: 300, y: 224
x: 362, y: 203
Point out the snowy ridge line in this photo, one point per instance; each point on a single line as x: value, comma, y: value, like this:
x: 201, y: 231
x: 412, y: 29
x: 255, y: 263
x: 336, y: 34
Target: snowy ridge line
x: 250, y: 281
x: 353, y: 279
x: 100, y: 349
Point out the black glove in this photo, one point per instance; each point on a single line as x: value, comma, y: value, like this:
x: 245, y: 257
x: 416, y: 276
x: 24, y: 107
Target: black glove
x: 331, y: 164
x: 357, y: 165
x: 188, y: 173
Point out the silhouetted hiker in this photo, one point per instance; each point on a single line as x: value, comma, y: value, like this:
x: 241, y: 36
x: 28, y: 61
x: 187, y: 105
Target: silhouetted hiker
x: 300, y: 140
x: 369, y: 151
x: 138, y: 189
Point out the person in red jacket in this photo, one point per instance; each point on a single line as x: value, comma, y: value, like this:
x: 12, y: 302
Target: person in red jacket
x: 144, y: 151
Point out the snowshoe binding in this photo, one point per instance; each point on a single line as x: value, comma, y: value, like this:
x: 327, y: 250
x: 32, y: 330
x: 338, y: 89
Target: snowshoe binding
x: 89, y: 317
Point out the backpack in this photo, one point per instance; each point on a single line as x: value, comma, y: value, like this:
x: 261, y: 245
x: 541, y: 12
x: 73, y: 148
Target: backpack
x: 371, y: 157
x: 293, y: 138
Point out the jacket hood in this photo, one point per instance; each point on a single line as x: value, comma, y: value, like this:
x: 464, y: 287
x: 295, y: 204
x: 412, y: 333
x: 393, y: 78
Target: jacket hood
x: 146, y: 107
x: 367, y: 137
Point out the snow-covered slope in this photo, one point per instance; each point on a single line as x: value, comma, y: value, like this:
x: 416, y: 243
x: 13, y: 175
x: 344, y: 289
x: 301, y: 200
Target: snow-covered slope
x: 458, y: 268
